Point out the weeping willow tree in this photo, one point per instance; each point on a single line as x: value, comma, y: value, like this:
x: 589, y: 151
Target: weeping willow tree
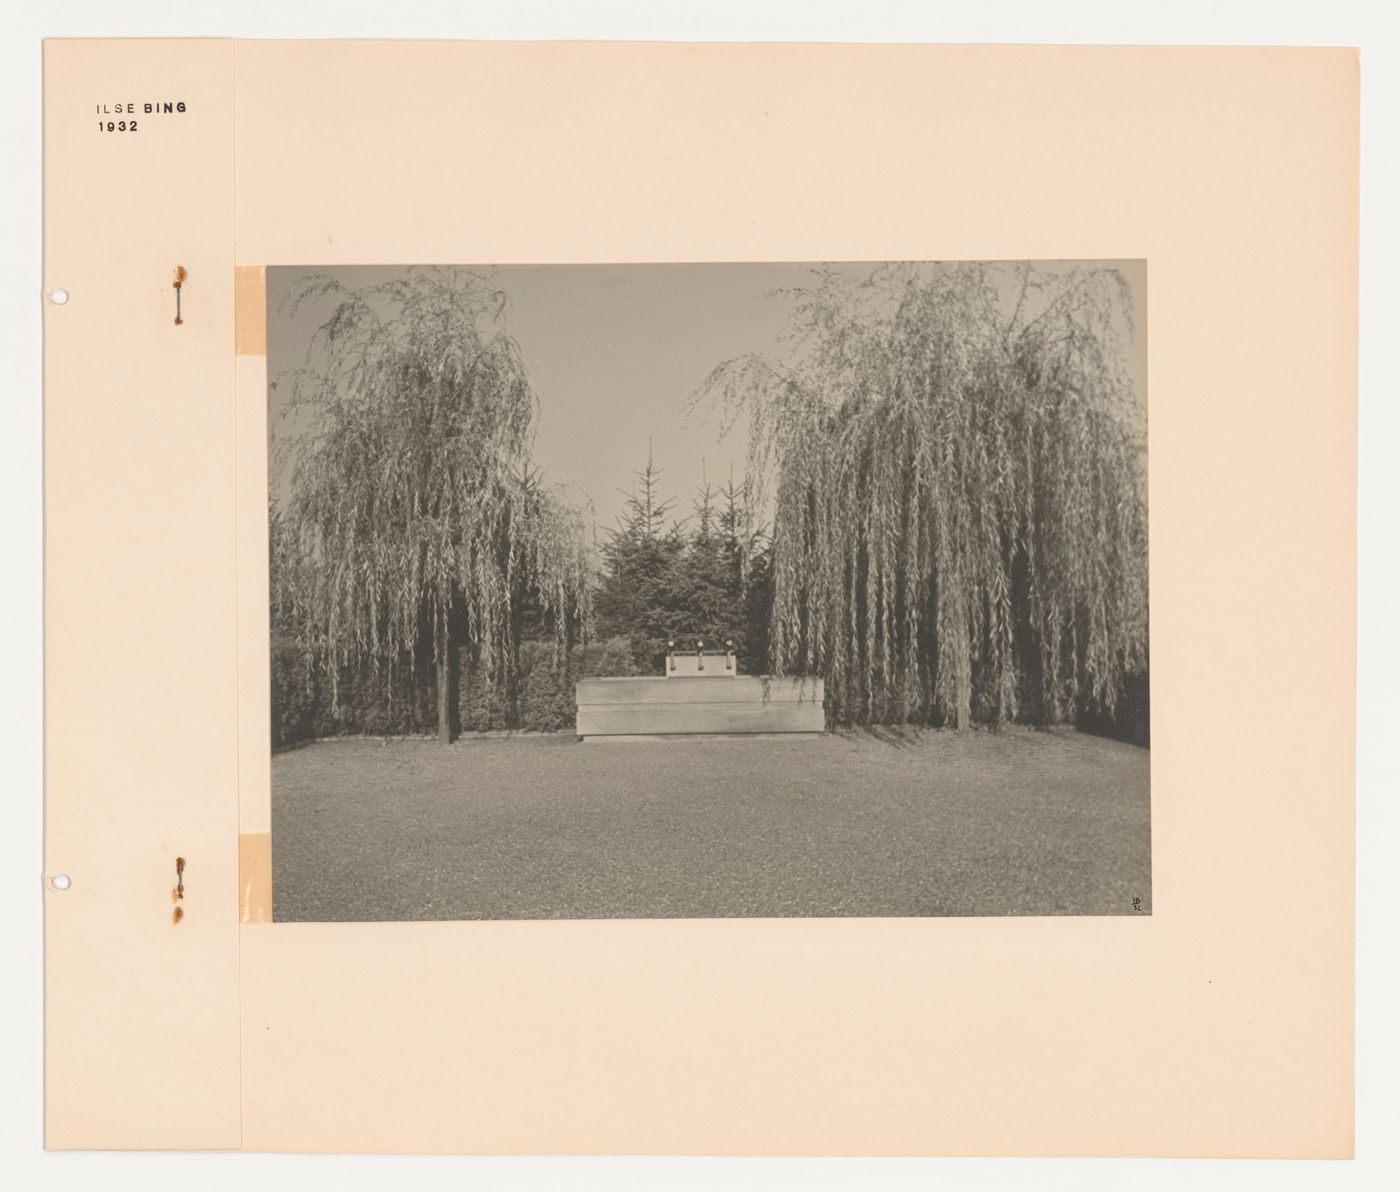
x: 414, y: 521
x: 955, y: 462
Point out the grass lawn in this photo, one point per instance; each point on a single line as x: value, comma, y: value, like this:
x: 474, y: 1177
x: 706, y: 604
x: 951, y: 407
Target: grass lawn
x: 863, y: 823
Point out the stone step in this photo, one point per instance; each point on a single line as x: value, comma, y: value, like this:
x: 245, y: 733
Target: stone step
x: 641, y: 719
x: 698, y: 689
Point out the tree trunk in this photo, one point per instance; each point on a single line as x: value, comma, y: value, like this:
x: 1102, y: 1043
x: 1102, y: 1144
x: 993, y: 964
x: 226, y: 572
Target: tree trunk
x: 444, y: 691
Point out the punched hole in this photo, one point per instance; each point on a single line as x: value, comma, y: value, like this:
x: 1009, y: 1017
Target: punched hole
x: 58, y: 297
x: 60, y: 881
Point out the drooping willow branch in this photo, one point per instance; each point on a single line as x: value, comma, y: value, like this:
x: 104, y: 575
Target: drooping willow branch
x: 958, y: 493
x: 413, y: 507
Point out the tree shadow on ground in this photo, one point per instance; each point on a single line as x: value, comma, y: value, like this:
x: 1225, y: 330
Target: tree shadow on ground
x: 911, y: 736
x: 897, y: 736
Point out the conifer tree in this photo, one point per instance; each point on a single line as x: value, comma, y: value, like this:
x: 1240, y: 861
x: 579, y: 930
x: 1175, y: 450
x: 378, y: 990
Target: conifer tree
x: 636, y: 597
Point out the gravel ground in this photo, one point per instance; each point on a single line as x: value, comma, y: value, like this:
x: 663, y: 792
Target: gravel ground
x: 864, y: 823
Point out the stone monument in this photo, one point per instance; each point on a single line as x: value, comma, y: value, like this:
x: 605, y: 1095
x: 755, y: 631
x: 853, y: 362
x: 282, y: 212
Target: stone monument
x: 701, y: 693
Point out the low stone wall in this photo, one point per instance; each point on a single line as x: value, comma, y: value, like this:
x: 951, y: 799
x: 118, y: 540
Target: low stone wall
x: 683, y: 704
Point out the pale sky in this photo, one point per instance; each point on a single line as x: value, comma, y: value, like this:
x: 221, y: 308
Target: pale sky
x: 614, y: 353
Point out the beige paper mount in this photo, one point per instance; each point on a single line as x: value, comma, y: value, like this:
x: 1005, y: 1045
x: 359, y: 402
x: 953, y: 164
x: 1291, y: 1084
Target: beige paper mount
x: 1221, y: 1025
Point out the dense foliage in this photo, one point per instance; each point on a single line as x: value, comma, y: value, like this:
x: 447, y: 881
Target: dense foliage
x: 415, y: 522
x: 660, y: 579
x: 704, y: 578
x: 959, y: 492
x: 943, y: 514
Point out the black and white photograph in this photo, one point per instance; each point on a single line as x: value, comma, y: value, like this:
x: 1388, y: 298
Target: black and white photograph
x: 708, y: 590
